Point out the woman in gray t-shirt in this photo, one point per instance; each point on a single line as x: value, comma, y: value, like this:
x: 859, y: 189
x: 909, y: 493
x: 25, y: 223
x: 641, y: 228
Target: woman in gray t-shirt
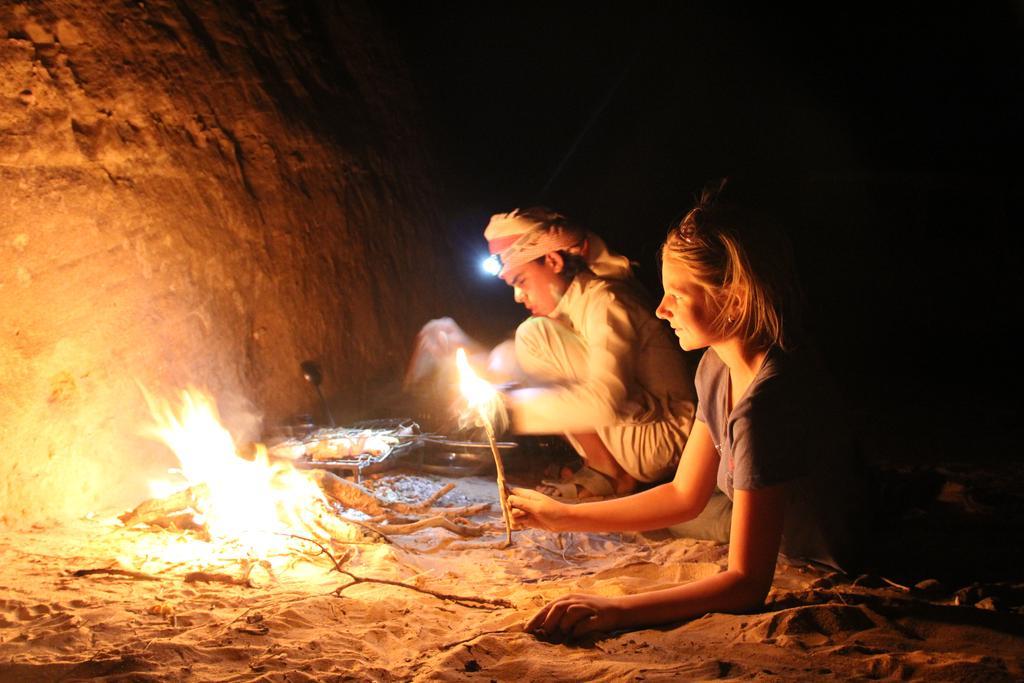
x: 768, y: 433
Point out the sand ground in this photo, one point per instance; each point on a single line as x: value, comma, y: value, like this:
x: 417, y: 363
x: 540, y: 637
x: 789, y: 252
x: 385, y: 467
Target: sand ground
x: 297, y: 626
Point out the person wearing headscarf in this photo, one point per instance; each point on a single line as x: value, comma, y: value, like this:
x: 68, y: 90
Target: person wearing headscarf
x: 598, y: 366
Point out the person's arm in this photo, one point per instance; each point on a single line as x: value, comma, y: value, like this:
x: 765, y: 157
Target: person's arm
x: 436, y: 343
x: 680, y: 500
x: 757, y: 519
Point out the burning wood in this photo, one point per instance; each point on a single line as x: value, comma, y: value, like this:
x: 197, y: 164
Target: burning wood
x: 153, y: 511
x: 253, y: 512
x: 263, y: 504
x: 398, y: 518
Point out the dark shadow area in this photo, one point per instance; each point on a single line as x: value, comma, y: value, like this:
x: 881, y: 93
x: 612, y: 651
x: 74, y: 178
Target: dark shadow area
x: 887, y: 142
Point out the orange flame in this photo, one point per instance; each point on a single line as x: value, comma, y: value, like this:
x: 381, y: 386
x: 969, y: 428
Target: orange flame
x: 481, y: 396
x: 250, y: 501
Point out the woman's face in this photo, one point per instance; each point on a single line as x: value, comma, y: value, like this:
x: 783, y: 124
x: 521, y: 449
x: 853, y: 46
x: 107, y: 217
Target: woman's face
x: 538, y: 285
x: 687, y: 306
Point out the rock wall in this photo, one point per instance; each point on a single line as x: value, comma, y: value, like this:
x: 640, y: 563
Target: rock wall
x: 195, y: 193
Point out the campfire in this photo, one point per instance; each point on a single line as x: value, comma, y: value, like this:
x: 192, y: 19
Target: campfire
x: 224, y: 512
x: 252, y: 502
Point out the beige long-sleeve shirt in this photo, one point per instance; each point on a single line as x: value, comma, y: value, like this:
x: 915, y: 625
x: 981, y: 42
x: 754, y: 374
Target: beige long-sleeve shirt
x: 628, y: 370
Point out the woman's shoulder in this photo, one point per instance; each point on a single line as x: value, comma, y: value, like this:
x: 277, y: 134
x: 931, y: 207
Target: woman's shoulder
x: 710, y: 371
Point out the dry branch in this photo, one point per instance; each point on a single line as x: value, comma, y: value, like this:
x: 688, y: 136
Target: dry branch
x: 437, y: 495
x: 439, y: 521
x: 464, y: 600
x: 347, y: 493
x: 216, y: 577
x: 138, y: 576
x: 506, y: 510
x: 149, y: 511
x: 468, y: 601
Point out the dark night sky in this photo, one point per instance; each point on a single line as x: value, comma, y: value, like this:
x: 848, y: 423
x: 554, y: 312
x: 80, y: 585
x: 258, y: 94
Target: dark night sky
x: 889, y: 144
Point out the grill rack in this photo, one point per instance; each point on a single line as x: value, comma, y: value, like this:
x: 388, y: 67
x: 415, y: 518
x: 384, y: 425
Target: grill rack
x: 400, y: 437
x: 404, y: 437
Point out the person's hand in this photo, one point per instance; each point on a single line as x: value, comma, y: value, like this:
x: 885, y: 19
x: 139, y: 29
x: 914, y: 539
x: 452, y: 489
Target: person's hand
x: 575, y: 615
x: 533, y: 509
x: 435, y: 343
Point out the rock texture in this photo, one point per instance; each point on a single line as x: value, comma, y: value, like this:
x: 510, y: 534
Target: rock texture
x: 195, y: 193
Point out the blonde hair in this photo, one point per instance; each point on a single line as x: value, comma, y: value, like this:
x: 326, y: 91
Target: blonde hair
x: 745, y: 265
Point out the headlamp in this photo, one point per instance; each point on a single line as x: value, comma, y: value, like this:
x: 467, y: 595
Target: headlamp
x: 491, y: 265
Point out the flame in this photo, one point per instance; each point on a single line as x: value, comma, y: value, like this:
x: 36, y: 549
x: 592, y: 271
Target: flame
x: 250, y: 501
x: 481, y: 396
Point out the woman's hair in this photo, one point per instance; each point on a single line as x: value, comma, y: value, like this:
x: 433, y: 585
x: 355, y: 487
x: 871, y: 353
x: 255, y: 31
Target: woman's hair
x: 745, y: 264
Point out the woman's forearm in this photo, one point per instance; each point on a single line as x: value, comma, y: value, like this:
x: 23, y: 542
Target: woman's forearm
x: 654, y: 508
x: 756, y: 534
x: 729, y: 591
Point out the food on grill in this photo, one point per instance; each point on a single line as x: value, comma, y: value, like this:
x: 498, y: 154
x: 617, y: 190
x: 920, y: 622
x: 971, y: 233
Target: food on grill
x: 342, y: 447
x: 336, y: 444
x: 291, y: 449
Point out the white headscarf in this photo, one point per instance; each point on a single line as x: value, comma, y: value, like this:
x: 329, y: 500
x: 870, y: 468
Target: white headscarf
x: 518, y: 239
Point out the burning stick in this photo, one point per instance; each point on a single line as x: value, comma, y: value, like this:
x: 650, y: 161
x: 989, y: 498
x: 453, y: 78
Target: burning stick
x: 482, y: 397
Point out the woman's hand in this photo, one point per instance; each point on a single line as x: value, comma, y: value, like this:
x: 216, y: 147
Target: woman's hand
x: 533, y: 509
x: 575, y: 615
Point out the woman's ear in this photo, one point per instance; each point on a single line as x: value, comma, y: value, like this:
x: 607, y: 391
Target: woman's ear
x: 555, y: 261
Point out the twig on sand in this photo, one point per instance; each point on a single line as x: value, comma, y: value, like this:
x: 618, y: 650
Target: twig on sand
x: 138, y: 576
x: 464, y: 600
x: 457, y: 511
x: 439, y: 521
x: 323, y: 550
x: 437, y: 495
x: 215, y: 577
x: 898, y: 586
x: 248, y: 567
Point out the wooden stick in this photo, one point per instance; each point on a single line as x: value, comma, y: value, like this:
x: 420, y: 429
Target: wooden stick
x: 439, y: 521
x: 437, y: 495
x: 467, y: 600
x: 506, y: 511
x: 347, y: 493
x: 464, y: 600
x: 159, y: 508
x: 138, y: 576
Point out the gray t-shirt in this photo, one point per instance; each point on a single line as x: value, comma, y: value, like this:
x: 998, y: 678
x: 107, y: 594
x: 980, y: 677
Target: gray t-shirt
x: 788, y: 428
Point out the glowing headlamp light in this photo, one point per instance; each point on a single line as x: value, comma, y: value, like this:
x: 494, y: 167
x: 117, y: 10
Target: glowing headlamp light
x: 491, y: 265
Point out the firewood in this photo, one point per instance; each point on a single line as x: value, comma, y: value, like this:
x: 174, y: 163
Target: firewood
x: 436, y: 496
x: 349, y: 494
x: 442, y: 522
x: 161, y: 508
x: 112, y: 571
x: 463, y: 511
